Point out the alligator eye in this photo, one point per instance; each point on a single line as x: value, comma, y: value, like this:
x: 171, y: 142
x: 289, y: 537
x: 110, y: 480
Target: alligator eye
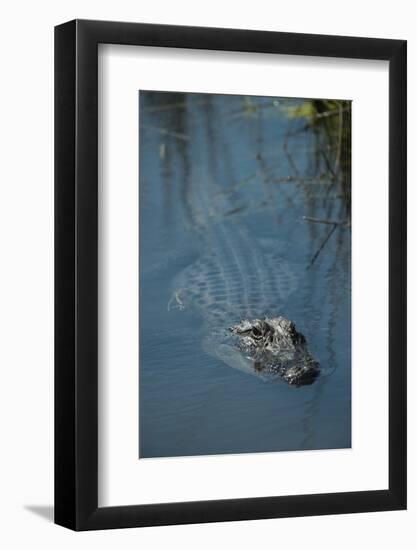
x: 256, y: 332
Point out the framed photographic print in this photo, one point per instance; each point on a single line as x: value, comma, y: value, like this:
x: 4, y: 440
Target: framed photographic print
x: 230, y: 275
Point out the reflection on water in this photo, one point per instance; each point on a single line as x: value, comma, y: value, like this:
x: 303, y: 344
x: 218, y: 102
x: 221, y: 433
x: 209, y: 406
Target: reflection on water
x: 244, y: 211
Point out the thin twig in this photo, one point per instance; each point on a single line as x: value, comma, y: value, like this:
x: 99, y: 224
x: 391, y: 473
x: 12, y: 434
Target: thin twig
x: 290, y: 158
x: 321, y: 220
x: 314, y: 258
x: 315, y: 117
x: 327, y: 163
x: 166, y: 132
x: 339, y: 140
x: 171, y: 106
x: 323, y: 180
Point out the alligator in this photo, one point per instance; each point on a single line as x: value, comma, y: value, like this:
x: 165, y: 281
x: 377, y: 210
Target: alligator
x: 240, y: 285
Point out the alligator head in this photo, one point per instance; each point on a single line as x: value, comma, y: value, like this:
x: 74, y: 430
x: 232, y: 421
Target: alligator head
x: 276, y: 347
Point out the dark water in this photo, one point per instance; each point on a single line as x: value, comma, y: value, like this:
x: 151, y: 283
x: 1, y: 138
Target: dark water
x: 257, y: 165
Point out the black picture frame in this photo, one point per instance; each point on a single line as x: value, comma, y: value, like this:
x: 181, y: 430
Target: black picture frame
x: 76, y: 272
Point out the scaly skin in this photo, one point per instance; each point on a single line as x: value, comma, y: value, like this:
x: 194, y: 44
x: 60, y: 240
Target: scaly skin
x: 276, y: 347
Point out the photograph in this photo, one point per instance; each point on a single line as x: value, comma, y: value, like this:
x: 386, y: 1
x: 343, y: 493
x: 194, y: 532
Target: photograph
x: 244, y: 274
x: 208, y: 235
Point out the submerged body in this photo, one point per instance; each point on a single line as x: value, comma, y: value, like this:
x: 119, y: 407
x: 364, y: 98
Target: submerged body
x: 238, y: 276
x: 238, y: 279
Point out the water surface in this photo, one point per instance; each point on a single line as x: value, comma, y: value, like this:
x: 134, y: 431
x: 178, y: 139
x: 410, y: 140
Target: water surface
x: 255, y: 165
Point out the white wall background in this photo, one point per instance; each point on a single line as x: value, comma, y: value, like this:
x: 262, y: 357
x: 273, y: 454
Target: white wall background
x: 26, y: 289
